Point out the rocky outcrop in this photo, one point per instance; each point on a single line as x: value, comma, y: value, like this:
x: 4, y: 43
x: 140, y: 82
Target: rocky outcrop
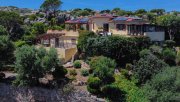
x: 10, y: 93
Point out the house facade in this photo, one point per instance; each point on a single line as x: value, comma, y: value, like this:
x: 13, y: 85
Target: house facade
x: 65, y: 41
x: 113, y: 25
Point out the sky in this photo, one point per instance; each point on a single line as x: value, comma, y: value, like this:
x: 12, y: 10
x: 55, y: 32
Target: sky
x: 169, y: 5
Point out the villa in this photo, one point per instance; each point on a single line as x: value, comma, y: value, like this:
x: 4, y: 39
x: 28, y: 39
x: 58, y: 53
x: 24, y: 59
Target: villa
x: 112, y: 25
x: 65, y: 41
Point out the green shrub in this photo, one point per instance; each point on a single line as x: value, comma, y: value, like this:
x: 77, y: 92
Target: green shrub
x: 144, y: 53
x: 32, y: 64
x: 77, y: 64
x: 84, y: 72
x: 125, y: 73
x: 170, y: 43
x: 20, y: 43
x: 169, y: 56
x: 156, y: 50
x: 103, y: 68
x: 129, y: 66
x: 93, y: 85
x: 133, y: 93
x: 59, y: 72
x: 113, y: 93
x: 164, y: 86
x: 122, y: 49
x: 73, y: 72
x: 6, y: 49
x: 82, y: 40
x: 146, y: 67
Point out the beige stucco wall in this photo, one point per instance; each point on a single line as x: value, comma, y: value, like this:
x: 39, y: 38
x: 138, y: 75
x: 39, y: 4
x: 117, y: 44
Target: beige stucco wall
x: 114, y: 31
x: 69, y: 53
x: 98, y: 22
x: 63, y: 54
x: 155, y: 36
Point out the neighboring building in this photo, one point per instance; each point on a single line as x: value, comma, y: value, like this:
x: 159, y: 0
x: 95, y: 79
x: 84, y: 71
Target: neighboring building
x: 65, y: 41
x: 112, y: 25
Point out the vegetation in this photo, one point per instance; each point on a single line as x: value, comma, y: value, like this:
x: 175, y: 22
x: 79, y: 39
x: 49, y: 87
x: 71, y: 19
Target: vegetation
x: 93, y: 85
x: 6, y: 50
x: 32, y: 64
x: 103, y: 68
x: 164, y: 86
x: 73, y: 72
x: 121, y: 68
x: 122, y: 49
x: 84, y: 72
x: 77, y: 64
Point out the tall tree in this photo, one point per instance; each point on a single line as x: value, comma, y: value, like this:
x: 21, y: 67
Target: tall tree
x: 171, y: 24
x: 51, y: 6
x: 12, y: 22
x: 158, y: 11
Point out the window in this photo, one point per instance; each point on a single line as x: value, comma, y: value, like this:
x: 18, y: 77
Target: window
x: 120, y: 26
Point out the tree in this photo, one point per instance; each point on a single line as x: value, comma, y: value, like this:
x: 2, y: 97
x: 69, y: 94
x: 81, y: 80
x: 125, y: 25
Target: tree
x: 164, y: 86
x: 105, y: 11
x: 51, y: 6
x: 151, y: 17
x: 82, y: 40
x: 140, y: 11
x: 158, y: 11
x: 3, y: 30
x: 171, y: 24
x: 103, y: 68
x: 12, y: 22
x: 39, y: 28
x: 146, y: 67
x: 169, y: 56
x: 122, y: 49
x: 6, y: 49
x: 32, y: 64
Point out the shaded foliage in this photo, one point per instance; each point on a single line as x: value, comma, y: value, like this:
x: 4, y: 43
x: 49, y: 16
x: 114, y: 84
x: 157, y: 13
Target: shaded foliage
x: 122, y: 49
x: 164, y: 86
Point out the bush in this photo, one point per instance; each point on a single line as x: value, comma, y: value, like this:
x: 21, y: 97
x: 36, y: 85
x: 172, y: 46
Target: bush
x: 82, y: 40
x: 77, y: 64
x: 113, y: 93
x: 84, y: 72
x: 169, y: 56
x: 125, y: 73
x: 3, y: 30
x: 164, y: 86
x: 129, y: 66
x: 122, y: 49
x: 32, y: 64
x: 93, y: 85
x: 103, y: 68
x: 156, y: 50
x: 20, y: 43
x: 133, y: 93
x: 73, y: 72
x: 170, y: 43
x: 59, y: 72
x: 147, y: 66
x: 6, y: 50
x: 145, y: 53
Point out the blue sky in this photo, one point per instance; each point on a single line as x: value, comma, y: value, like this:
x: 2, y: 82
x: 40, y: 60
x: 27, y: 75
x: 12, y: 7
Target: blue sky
x: 169, y: 5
